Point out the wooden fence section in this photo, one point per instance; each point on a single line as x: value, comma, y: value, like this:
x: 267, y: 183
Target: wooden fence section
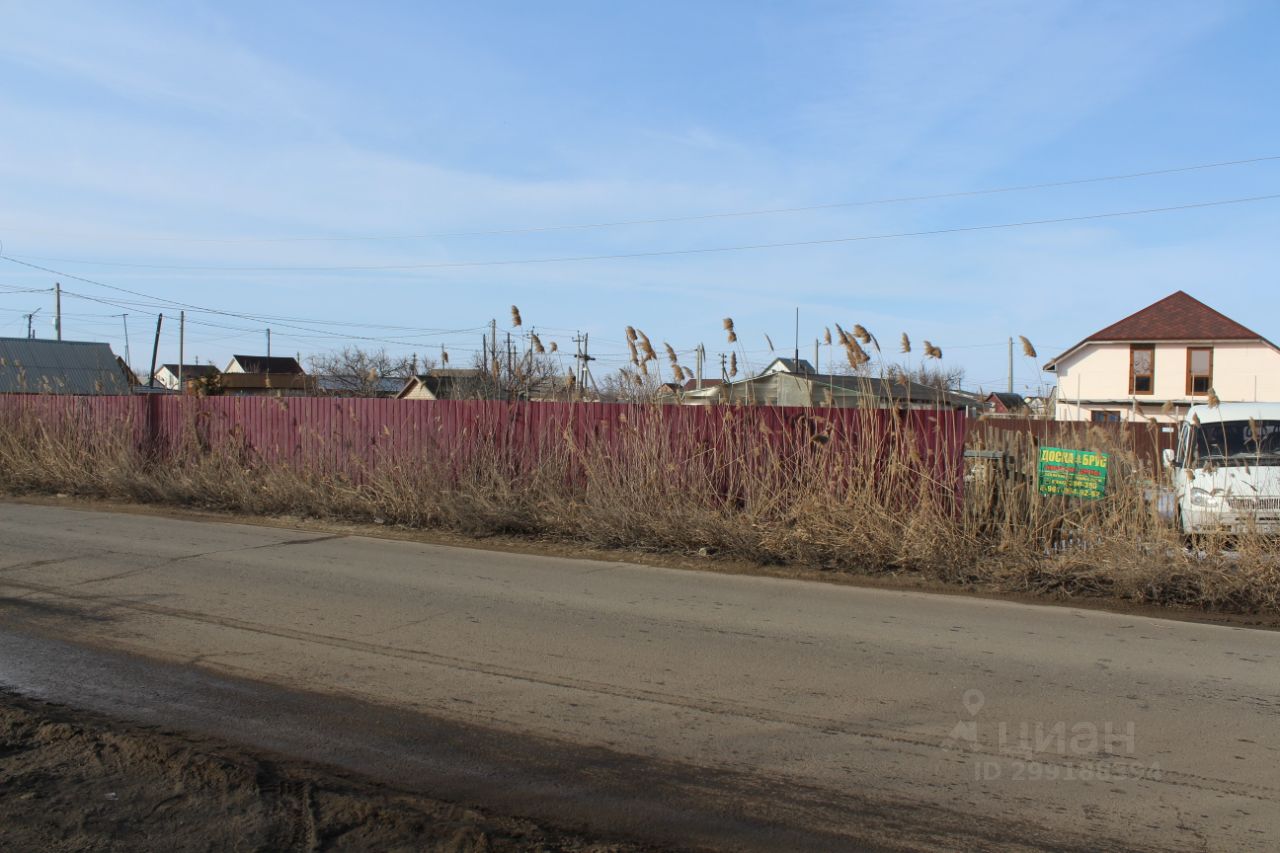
x: 1146, y: 440
x: 352, y: 436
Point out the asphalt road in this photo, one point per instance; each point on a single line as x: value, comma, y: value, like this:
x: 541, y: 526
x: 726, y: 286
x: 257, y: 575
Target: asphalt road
x: 677, y: 707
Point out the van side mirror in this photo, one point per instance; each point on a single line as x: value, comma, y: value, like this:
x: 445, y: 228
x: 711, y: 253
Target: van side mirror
x: 1167, y: 456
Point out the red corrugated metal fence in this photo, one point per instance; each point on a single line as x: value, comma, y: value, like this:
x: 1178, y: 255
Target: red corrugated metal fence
x: 354, y: 436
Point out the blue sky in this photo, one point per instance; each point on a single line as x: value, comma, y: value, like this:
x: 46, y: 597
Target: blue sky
x: 208, y: 153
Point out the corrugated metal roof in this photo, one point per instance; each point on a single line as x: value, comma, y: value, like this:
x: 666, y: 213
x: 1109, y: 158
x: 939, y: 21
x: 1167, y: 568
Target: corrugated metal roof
x: 34, y: 366
x: 267, y: 364
x: 387, y: 386
x: 190, y: 371
x: 838, y: 386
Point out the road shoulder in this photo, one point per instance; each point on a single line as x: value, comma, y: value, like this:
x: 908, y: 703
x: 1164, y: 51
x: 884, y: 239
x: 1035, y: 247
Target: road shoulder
x: 888, y: 580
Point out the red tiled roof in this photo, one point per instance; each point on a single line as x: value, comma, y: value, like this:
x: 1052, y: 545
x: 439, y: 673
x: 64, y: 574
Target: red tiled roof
x: 1177, y: 317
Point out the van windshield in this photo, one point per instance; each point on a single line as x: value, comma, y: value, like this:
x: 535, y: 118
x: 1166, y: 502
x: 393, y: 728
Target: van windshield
x: 1238, y: 442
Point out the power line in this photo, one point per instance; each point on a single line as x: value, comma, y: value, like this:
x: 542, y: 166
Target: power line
x: 768, y: 211
x: 318, y: 334
x: 160, y: 301
x: 959, y: 229
x: 283, y: 322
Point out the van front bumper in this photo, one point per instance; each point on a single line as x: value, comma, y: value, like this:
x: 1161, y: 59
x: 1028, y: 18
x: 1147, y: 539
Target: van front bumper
x: 1233, y: 521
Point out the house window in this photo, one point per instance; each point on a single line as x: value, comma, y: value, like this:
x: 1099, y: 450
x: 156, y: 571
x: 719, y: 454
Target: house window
x: 1105, y: 416
x: 1142, y: 369
x: 1199, y: 370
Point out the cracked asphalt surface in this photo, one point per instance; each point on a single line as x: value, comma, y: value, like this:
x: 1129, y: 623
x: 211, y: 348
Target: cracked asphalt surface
x: 663, y: 706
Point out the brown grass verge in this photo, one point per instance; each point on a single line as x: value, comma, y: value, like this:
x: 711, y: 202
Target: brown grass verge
x: 870, y: 508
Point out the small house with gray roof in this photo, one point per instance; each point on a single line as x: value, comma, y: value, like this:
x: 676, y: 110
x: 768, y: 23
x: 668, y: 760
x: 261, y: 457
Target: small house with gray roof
x: 37, y: 366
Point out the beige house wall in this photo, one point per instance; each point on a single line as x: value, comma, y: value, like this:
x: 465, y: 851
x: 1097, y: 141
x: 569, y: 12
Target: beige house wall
x: 419, y: 392
x: 1097, y: 378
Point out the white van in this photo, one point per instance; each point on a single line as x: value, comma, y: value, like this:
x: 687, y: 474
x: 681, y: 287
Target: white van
x: 1226, y: 470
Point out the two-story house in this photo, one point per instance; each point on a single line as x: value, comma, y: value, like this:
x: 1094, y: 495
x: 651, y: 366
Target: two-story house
x: 1162, y: 359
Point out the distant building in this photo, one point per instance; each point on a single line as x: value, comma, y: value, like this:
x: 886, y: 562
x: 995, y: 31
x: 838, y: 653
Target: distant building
x: 36, y: 366
x: 444, y: 383
x: 129, y: 375
x: 266, y: 385
x: 276, y: 365
x: 673, y: 392
x: 1042, y: 406
x: 1006, y: 403
x: 1157, y: 362
x: 167, y: 375
x: 794, y: 382
x: 350, y: 385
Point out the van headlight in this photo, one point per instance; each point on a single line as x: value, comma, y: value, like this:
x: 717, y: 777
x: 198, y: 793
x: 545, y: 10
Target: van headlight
x: 1205, y: 498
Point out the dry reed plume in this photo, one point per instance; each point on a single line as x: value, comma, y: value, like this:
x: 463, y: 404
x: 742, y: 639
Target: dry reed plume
x: 1027, y: 349
x: 906, y: 343
x: 728, y: 327
x: 515, y: 316
x: 646, y: 348
x: 931, y: 351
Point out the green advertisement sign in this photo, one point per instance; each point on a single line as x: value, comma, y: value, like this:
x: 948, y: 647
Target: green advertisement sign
x: 1075, y: 473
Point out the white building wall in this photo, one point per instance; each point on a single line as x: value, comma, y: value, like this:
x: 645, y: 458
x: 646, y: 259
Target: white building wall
x: 1097, y: 378
x: 1096, y: 372
x: 1246, y: 373
x: 165, y: 379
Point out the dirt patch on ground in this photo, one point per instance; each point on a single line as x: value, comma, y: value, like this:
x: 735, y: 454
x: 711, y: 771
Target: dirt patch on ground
x: 71, y: 781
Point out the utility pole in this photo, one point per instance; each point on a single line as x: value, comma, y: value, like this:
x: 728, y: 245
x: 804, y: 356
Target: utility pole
x: 1010, y: 365
x: 724, y: 370
x: 587, y: 358
x: 155, y: 352
x: 493, y: 346
x: 510, y: 369
x: 797, y: 359
x: 182, y: 348
x: 127, y: 359
x: 702, y: 357
x: 57, y: 307
x: 31, y: 333
x: 817, y: 363
x: 584, y: 358
x: 268, y: 343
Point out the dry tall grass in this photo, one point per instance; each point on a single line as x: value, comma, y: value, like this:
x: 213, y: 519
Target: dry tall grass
x: 871, y: 505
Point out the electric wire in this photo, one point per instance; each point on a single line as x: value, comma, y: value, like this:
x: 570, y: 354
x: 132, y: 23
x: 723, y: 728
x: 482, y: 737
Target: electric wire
x: 959, y: 229
x: 768, y: 211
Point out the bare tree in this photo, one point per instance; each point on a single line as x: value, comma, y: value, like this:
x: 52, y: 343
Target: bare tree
x: 949, y: 378
x: 518, y: 376
x: 354, y: 372
x: 629, y: 385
